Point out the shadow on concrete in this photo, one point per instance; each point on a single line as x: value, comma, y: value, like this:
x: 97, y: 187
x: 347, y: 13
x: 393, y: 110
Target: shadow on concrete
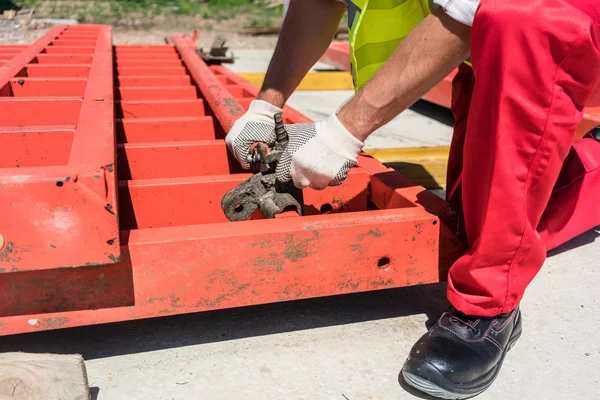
x: 132, y: 337
x: 94, y: 391
x: 581, y: 240
x: 433, y: 111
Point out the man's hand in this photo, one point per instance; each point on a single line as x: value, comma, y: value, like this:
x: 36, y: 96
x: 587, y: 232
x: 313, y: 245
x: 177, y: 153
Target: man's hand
x: 319, y: 154
x: 256, y: 125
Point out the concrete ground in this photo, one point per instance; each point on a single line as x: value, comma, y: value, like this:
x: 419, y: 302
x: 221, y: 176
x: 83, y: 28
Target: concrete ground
x: 346, y: 347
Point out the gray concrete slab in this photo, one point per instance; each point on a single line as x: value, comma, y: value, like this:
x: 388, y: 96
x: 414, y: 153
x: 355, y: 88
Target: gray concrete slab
x: 423, y: 125
x: 257, y: 60
x: 344, y: 347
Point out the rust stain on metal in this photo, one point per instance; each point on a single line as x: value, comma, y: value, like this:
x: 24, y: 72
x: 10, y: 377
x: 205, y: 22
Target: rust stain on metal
x: 262, y: 244
x: 338, y: 204
x: 113, y: 258
x: 10, y: 253
x: 375, y: 233
x: 55, y: 322
x: 269, y: 264
x: 348, y: 286
x: 153, y: 300
x: 382, y: 283
x: 359, y: 246
x: 174, y: 301
x: 419, y: 227
x: 294, y: 291
x: 414, y: 273
x: 299, y: 248
x: 216, y: 275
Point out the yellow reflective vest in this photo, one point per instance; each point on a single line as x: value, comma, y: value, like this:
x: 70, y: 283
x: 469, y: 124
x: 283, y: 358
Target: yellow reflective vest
x: 376, y: 28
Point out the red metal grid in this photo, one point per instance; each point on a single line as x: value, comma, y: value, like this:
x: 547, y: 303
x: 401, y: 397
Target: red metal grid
x: 338, y: 56
x: 179, y: 252
x: 58, y: 201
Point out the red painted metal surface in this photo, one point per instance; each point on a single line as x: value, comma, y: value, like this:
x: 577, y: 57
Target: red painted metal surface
x: 338, y: 56
x: 179, y: 253
x: 58, y: 204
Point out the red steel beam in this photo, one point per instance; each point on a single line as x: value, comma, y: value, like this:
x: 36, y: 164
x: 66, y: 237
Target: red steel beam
x: 15, y: 65
x: 180, y: 254
x: 227, y: 110
x: 58, y: 204
x: 155, y: 203
x: 273, y: 260
x: 45, y: 87
x: 148, y: 130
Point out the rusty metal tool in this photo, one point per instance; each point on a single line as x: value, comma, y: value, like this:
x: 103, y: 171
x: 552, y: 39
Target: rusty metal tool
x: 263, y: 190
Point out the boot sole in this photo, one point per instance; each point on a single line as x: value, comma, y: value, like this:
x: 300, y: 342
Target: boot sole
x: 435, y: 390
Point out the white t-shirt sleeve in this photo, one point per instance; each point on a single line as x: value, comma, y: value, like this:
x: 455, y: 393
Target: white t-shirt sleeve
x: 461, y: 10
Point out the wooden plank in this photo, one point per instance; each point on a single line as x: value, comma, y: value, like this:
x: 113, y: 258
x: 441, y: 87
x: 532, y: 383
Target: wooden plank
x: 43, y: 377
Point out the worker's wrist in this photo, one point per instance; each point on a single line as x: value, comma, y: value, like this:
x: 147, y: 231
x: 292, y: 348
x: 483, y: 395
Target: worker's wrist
x: 272, y: 96
x: 338, y: 138
x: 355, y: 122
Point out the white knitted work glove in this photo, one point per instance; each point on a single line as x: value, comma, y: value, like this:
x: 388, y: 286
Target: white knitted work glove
x: 256, y: 125
x: 319, y: 154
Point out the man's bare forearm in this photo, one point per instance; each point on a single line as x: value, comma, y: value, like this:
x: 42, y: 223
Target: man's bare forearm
x: 308, y: 29
x: 422, y: 60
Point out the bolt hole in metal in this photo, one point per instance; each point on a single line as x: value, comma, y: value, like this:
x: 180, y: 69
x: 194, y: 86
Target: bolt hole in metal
x: 60, y: 183
x: 238, y: 208
x: 383, y: 262
x: 326, y: 208
x: 435, y: 222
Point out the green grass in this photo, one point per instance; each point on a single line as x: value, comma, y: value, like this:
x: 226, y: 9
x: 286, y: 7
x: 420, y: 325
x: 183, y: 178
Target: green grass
x: 115, y: 11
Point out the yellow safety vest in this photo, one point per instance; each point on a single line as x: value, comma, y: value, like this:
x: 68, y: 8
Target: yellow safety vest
x: 376, y: 28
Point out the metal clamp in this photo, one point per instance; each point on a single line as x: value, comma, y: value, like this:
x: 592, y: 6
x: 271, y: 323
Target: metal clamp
x: 263, y: 190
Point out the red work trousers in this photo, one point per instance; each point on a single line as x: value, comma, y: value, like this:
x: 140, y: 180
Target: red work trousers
x: 518, y: 175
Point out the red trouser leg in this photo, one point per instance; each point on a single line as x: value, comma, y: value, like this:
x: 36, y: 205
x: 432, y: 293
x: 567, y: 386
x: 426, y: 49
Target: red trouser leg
x: 535, y: 66
x: 574, y: 206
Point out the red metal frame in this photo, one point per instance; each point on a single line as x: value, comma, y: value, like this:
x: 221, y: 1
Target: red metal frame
x: 338, y: 56
x: 58, y: 205
x: 179, y: 252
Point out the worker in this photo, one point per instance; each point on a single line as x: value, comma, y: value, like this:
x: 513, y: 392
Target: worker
x: 519, y: 176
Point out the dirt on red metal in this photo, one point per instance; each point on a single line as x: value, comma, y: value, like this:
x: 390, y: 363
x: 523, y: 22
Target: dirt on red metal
x: 338, y: 56
x: 58, y: 192
x: 178, y: 252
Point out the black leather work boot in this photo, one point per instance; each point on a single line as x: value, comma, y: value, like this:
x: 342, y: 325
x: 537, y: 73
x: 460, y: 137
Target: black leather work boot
x: 461, y: 355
